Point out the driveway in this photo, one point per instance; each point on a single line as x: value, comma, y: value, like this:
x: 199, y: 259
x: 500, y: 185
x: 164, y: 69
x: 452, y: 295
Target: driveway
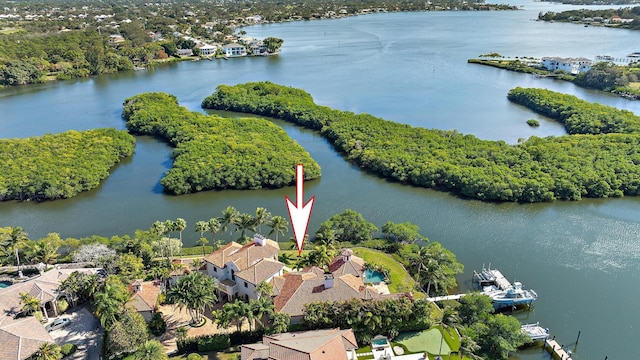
x: 84, y: 331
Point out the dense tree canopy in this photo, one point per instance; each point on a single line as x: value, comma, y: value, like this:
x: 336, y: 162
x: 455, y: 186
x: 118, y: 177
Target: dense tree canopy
x: 60, y: 165
x: 348, y: 226
x: 565, y: 167
x: 578, y: 116
x: 217, y: 153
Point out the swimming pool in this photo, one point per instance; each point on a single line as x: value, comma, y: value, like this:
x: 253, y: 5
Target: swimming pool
x: 372, y: 276
x: 375, y: 342
x: 4, y: 284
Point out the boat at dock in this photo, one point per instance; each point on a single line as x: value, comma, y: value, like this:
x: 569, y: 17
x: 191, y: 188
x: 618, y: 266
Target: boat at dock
x: 513, y: 296
x: 491, y: 277
x: 634, y: 54
x: 535, y: 331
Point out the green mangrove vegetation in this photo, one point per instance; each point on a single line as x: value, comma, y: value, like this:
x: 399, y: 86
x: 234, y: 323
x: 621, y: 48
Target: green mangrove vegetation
x: 577, y: 116
x: 217, y: 153
x: 539, y: 169
x: 61, y: 165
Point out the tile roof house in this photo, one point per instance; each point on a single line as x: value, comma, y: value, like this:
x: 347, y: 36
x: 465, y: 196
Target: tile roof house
x: 144, y: 297
x: 43, y: 287
x: 347, y: 263
x: 328, y: 344
x: 294, y: 290
x: 21, y: 338
x: 238, y: 269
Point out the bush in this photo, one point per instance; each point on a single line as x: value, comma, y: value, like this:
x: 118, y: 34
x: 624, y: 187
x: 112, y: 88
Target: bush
x: 214, y: 343
x: 533, y: 122
x: 187, y: 345
x: 194, y: 356
x: 157, y: 325
x: 63, y: 305
x: 68, y: 349
x: 245, y: 337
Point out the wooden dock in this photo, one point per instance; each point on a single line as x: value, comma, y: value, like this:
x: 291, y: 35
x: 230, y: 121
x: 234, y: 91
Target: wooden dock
x: 493, y: 277
x: 448, y: 297
x: 556, y: 351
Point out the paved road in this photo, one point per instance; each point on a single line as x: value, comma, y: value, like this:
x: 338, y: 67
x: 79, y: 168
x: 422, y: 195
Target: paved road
x: 84, y: 331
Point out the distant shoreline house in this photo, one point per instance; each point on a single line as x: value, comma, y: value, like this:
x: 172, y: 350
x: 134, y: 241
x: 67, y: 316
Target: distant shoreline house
x: 234, y: 50
x: 208, y: 50
x: 238, y: 269
x: 329, y: 344
x: 569, y: 65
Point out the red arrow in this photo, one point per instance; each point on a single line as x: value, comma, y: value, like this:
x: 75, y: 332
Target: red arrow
x: 299, y: 214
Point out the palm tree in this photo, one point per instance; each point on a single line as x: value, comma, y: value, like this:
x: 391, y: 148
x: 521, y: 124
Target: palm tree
x: 29, y: 303
x: 159, y: 229
x: 328, y: 237
x: 468, y: 347
x: 214, y: 227
x: 48, y: 351
x: 285, y: 258
x: 449, y: 320
x: 150, y: 350
x: 229, y: 216
x: 321, y: 256
x: 202, y: 226
x: 169, y: 226
x: 14, y: 238
x: 202, y: 241
x: 245, y: 222
x: 261, y: 307
x: 179, y: 225
x: 264, y: 290
x: 195, y: 292
x: 196, y: 264
x: 236, y: 312
x: 110, y: 302
x: 43, y: 251
x: 262, y: 217
x: 278, y: 224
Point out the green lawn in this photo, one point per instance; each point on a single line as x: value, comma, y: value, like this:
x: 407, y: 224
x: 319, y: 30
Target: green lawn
x: 400, y: 279
x: 429, y: 341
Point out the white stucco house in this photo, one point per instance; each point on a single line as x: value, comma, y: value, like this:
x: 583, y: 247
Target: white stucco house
x: 234, y: 50
x: 569, y: 65
x: 238, y: 269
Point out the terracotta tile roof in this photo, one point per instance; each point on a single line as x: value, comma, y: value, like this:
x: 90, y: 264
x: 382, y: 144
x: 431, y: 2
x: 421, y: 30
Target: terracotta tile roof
x: 22, y: 338
x: 341, y: 266
x: 304, y: 288
x: 261, y: 271
x: 243, y: 256
x: 329, y: 344
x: 146, y: 298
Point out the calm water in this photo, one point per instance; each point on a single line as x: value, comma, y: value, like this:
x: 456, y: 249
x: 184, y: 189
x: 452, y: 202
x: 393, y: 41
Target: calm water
x: 582, y: 258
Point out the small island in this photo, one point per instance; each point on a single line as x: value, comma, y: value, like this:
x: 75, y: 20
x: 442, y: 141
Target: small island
x: 59, y: 166
x: 538, y: 169
x: 214, y: 152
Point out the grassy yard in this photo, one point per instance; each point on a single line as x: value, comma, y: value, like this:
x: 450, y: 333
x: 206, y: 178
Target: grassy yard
x: 400, y: 279
x: 429, y: 341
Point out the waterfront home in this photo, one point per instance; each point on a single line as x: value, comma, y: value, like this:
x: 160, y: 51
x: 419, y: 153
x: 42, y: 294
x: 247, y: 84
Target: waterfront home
x: 328, y: 344
x: 144, y: 297
x: 185, y: 52
x: 208, y: 50
x: 239, y: 269
x: 234, y: 50
x: 347, y: 263
x: 569, y: 65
